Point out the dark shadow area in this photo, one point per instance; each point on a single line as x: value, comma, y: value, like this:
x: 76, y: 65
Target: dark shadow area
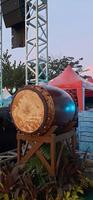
x: 7, y: 131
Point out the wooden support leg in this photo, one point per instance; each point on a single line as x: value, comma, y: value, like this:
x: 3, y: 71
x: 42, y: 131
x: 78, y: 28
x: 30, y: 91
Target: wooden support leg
x: 18, y: 150
x: 37, y: 141
x: 59, y: 157
x: 53, y: 154
x: 44, y: 162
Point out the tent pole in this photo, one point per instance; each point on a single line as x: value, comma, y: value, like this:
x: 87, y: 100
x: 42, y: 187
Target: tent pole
x: 83, y: 99
x: 80, y: 99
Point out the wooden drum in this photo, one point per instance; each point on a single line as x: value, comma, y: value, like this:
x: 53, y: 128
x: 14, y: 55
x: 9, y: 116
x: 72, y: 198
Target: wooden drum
x: 35, y: 109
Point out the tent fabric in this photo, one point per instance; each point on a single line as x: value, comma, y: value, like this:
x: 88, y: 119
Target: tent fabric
x: 88, y: 92
x: 70, y: 80
x: 66, y: 79
x: 6, y: 98
x: 6, y: 94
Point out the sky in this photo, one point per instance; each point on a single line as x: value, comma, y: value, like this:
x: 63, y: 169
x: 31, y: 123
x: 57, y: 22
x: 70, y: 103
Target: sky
x: 70, y: 31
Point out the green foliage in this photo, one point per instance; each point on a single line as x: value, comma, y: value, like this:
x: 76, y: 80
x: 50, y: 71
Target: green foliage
x: 45, y: 149
x: 56, y: 66
x: 13, y: 74
x: 73, y: 194
x: 70, y: 176
x: 33, y: 182
x: 34, y: 165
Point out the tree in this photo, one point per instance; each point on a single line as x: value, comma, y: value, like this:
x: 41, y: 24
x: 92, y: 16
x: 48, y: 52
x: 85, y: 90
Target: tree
x: 13, y: 74
x: 56, y: 66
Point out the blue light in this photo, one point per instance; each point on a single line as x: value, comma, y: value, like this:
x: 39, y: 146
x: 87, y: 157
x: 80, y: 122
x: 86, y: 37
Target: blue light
x: 70, y: 108
x: 73, y: 107
x: 67, y: 108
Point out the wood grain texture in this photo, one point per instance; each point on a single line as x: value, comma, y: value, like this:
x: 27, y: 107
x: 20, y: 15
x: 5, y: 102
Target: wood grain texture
x: 28, y: 111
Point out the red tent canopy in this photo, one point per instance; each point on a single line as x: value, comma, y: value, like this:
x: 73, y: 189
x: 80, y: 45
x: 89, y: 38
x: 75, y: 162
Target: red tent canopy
x: 88, y: 92
x: 90, y: 79
x: 70, y: 80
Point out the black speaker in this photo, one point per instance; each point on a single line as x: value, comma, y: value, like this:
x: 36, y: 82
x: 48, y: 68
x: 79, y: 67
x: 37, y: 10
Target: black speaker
x: 18, y: 35
x: 13, y: 12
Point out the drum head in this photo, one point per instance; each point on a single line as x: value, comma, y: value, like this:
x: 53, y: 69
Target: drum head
x: 28, y: 110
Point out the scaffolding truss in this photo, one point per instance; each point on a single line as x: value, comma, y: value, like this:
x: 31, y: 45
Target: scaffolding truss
x: 36, y: 41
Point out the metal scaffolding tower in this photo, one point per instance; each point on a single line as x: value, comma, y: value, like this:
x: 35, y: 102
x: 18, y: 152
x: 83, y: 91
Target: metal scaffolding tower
x: 36, y: 41
x: 0, y: 55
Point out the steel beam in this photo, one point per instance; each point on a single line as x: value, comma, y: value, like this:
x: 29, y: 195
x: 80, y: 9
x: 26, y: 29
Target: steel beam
x: 36, y: 41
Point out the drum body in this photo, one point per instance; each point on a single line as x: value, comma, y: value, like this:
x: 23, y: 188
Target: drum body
x: 35, y: 109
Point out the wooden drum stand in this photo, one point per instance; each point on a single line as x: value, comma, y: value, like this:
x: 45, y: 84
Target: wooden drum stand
x: 34, y: 143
